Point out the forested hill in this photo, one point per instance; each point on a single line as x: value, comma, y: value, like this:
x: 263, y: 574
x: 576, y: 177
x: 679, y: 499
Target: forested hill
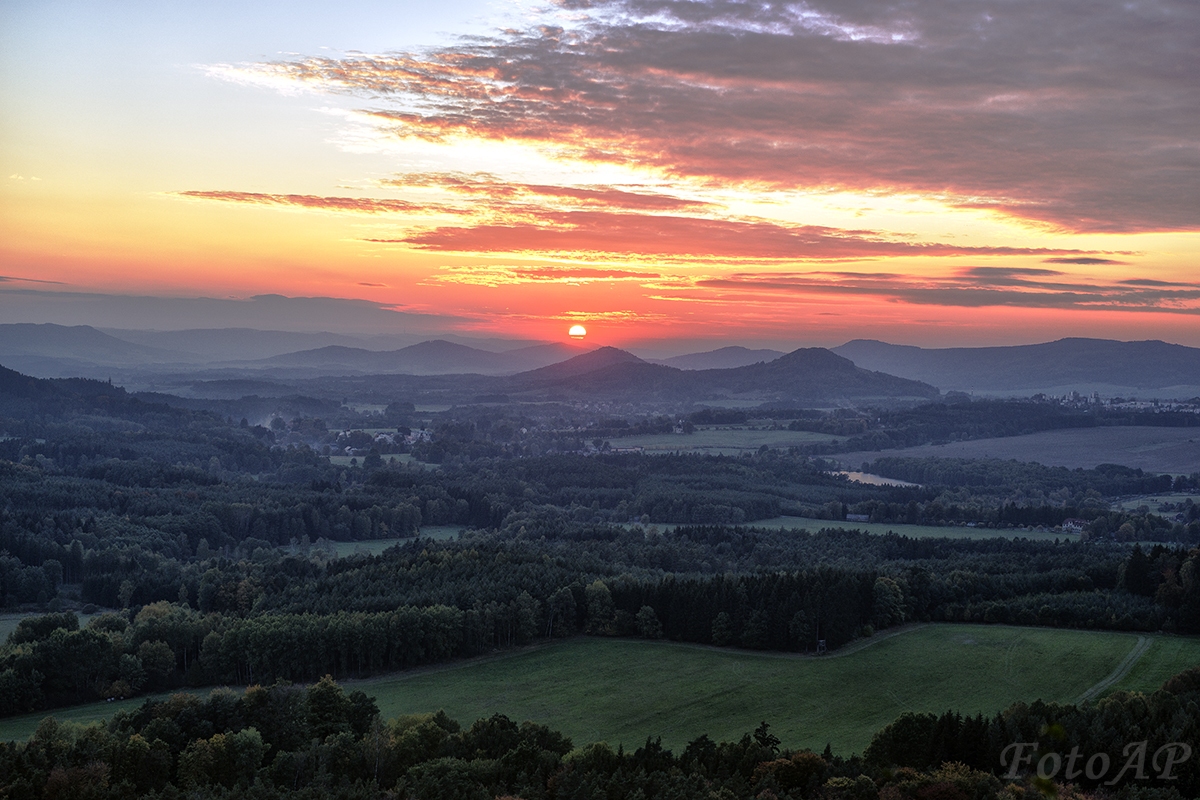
x: 23, y: 398
x: 1147, y: 365
x: 806, y: 375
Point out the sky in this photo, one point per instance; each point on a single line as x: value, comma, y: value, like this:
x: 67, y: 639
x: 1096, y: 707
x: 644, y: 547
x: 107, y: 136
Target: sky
x: 674, y: 173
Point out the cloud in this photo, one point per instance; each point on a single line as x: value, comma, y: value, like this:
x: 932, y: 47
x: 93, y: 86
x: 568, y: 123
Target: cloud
x: 499, y: 190
x: 965, y: 291
x: 498, y: 275
x: 13, y: 278
x: 263, y: 312
x: 1084, y: 260
x: 356, y: 205
x: 1079, y: 114
x: 678, y: 237
x: 1011, y: 272
x: 1148, y: 282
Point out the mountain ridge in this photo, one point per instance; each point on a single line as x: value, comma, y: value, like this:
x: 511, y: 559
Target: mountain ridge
x: 1147, y: 365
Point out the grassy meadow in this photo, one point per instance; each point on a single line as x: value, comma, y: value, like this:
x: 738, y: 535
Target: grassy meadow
x: 625, y: 690
x: 720, y: 440
x: 1157, y: 450
x: 1167, y: 657
x: 911, y: 531
x: 376, y: 546
x: 621, y: 690
x: 9, y: 622
x: 22, y: 727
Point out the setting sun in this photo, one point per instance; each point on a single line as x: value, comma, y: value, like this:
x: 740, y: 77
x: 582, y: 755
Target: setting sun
x: 577, y: 331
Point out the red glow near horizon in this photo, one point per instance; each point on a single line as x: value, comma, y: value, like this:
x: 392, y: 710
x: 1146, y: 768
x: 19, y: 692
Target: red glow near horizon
x: 660, y: 175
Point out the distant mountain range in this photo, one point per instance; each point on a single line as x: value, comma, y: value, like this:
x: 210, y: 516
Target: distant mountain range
x: 724, y: 358
x: 807, y: 376
x: 241, y: 344
x: 68, y: 351
x: 222, y: 362
x: 810, y: 375
x: 54, y: 351
x: 1081, y: 364
x: 436, y: 357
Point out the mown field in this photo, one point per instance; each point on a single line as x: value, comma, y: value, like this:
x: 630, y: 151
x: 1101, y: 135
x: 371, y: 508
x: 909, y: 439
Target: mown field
x: 1167, y: 657
x: 626, y: 690
x: 1152, y: 501
x: 1158, y: 450
x: 622, y: 691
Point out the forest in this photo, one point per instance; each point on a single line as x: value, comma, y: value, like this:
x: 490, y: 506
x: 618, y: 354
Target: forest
x: 200, y: 550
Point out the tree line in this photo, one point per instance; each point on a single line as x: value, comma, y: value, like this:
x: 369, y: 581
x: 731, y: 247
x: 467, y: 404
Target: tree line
x: 298, y: 617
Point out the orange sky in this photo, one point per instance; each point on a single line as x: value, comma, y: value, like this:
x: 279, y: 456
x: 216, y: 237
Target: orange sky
x: 660, y: 172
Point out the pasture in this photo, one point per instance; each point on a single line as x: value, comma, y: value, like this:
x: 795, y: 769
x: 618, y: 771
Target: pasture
x: 911, y: 531
x: 1158, y: 450
x: 374, y: 547
x: 624, y: 690
x: 1152, y: 502
x: 401, y: 458
x: 1166, y: 657
x: 722, y: 440
x: 22, y: 727
x: 8, y: 622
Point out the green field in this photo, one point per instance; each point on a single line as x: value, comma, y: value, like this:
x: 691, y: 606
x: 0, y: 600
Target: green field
x: 376, y: 546
x: 401, y: 458
x: 626, y: 690
x: 1167, y: 656
x: 720, y: 440
x: 621, y: 690
x: 22, y: 727
x: 1152, y: 502
x: 1158, y: 450
x: 8, y: 622
x: 911, y: 531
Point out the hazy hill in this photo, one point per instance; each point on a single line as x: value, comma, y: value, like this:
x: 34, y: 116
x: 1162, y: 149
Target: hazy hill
x: 435, y: 357
x: 49, y: 350
x: 541, y: 355
x: 723, y: 358
x: 235, y: 388
x: 239, y: 344
x: 806, y: 375
x: 583, y: 364
x: 1083, y: 363
x: 229, y: 344
x: 813, y: 372
x: 26, y: 397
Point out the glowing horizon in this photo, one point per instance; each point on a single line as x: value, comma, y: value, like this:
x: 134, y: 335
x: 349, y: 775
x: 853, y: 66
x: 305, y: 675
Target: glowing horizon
x: 804, y: 173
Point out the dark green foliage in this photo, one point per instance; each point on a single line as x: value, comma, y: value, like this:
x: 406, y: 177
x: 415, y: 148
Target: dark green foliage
x: 924, y: 741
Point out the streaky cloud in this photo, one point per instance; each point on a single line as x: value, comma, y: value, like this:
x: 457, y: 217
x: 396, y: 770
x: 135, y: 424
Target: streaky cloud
x: 356, y: 205
x: 1083, y: 115
x: 678, y: 237
x: 962, y: 291
x: 1083, y: 260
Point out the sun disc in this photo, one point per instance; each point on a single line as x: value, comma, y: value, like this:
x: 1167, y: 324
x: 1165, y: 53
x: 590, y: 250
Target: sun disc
x: 577, y: 331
